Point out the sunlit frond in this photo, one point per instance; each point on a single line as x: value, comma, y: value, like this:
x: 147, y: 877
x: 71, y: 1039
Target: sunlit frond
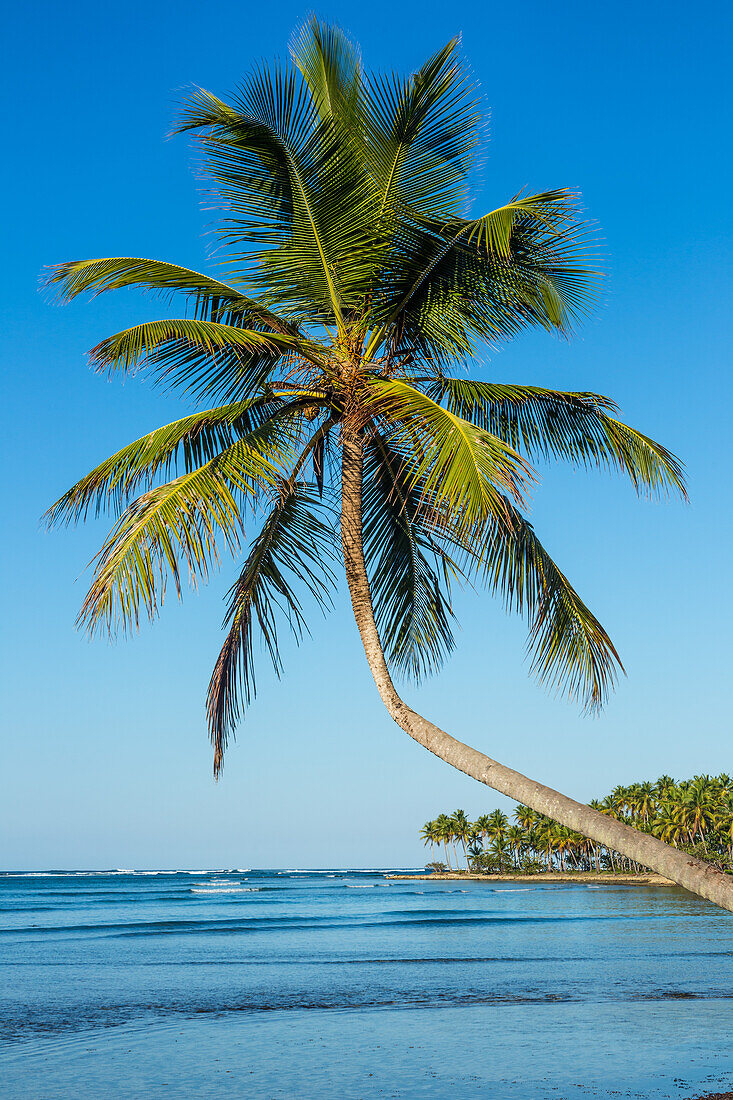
x: 457, y: 281
x: 198, y: 357
x: 330, y: 64
x: 295, y: 181
x: 180, y: 523
x: 460, y: 466
x: 182, y: 445
x: 575, y: 427
x: 213, y: 300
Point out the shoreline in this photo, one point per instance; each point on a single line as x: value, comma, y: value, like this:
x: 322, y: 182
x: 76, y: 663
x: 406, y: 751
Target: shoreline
x: 598, y: 878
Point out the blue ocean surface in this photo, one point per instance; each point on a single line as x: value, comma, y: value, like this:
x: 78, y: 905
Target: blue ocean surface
x: 346, y: 984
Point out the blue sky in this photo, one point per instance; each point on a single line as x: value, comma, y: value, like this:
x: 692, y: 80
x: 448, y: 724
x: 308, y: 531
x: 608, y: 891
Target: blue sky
x: 104, y: 759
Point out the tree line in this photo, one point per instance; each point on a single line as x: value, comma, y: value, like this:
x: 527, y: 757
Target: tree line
x: 694, y: 815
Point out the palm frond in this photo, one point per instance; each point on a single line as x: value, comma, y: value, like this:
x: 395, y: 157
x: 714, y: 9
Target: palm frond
x: 409, y: 573
x: 247, y: 157
x: 180, y: 523
x: 575, y: 427
x: 461, y: 467
x: 569, y: 649
x: 526, y: 263
x: 330, y: 64
x: 292, y: 179
x: 421, y: 131
x: 214, y: 300
x: 294, y: 545
x: 199, y: 357
x: 187, y: 443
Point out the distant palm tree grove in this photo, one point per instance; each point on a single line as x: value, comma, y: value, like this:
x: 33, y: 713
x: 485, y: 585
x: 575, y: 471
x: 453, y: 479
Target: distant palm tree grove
x: 695, y: 815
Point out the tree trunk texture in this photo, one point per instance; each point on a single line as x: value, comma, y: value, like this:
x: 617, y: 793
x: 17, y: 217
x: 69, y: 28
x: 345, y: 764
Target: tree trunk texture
x: 694, y: 875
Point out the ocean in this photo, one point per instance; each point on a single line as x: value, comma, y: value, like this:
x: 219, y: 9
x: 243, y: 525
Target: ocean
x: 343, y: 984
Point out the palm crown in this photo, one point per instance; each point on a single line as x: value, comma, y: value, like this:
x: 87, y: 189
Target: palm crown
x: 357, y: 288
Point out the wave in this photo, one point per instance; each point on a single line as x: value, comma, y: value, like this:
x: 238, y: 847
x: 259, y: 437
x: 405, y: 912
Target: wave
x: 328, y: 872
x: 260, y: 924
x: 225, y: 889
x: 101, y: 874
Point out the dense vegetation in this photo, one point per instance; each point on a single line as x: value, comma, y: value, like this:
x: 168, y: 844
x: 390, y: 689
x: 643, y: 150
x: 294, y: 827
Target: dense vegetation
x: 695, y: 815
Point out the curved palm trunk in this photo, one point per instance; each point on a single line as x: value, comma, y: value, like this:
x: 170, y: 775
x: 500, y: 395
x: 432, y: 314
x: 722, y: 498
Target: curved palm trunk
x: 693, y: 874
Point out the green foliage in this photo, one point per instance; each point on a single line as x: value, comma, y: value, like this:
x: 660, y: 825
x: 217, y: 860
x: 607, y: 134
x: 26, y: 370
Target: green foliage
x: 695, y: 815
x: 294, y: 545
x: 410, y: 576
x: 357, y: 285
x: 574, y: 427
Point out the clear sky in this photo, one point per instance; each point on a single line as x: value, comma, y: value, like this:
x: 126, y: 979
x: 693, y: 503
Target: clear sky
x: 104, y: 760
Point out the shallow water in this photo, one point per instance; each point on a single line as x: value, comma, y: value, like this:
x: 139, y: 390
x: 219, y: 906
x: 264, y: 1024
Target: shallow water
x: 340, y: 984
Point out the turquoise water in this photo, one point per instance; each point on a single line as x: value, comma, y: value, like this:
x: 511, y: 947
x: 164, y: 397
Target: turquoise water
x: 341, y: 984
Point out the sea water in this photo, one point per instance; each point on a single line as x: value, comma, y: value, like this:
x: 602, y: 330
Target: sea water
x: 348, y: 984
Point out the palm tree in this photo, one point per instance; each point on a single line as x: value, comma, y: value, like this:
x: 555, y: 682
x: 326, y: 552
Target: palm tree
x: 524, y: 817
x: 444, y: 834
x: 483, y: 824
x: 699, y: 807
x: 428, y: 835
x: 461, y: 830
x: 664, y: 786
x: 668, y: 823
x: 517, y: 841
x: 725, y: 824
x: 498, y: 825
x: 475, y: 846
x: 357, y: 287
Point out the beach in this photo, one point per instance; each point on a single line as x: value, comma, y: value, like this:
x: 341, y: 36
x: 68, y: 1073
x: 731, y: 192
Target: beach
x: 569, y: 877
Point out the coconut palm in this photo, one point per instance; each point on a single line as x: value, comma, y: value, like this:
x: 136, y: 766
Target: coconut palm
x: 725, y: 824
x: 461, y: 830
x: 428, y: 833
x: 524, y: 816
x: 500, y: 855
x: 668, y: 823
x: 517, y: 841
x: 475, y: 845
x: 329, y: 360
x: 498, y: 825
x: 664, y: 786
x: 644, y: 800
x: 698, y: 808
x: 483, y: 824
x: 444, y: 834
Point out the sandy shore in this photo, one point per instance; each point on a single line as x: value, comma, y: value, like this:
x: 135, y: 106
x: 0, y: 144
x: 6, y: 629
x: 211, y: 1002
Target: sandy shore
x: 598, y: 879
